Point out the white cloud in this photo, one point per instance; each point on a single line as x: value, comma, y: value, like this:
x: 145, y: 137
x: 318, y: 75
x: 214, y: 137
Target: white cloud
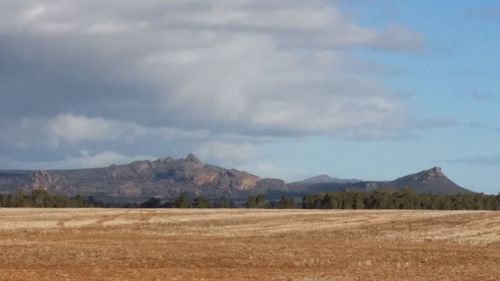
x: 69, y: 128
x: 297, y: 23
x: 74, y: 128
x: 190, y: 72
x: 255, y: 66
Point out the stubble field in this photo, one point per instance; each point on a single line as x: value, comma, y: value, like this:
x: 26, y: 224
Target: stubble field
x: 118, y: 244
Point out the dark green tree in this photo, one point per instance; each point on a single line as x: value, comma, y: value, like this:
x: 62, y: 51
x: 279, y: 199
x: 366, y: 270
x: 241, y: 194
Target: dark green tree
x: 154, y: 202
x: 256, y: 201
x: 201, y: 202
x: 182, y: 201
x: 224, y: 202
x: 287, y: 203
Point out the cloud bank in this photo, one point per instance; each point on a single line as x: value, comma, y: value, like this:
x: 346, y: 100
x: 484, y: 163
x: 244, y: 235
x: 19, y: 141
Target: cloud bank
x: 195, y: 75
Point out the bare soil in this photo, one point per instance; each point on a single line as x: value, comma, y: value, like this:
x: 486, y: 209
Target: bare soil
x: 305, y: 245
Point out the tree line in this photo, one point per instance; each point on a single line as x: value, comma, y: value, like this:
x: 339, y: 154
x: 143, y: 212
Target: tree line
x: 403, y: 199
x: 253, y: 201
x: 379, y: 199
x: 42, y: 199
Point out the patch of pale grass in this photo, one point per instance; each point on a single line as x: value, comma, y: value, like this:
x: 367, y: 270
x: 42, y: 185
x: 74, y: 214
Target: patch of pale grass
x: 120, y: 221
x: 79, y: 223
x: 12, y: 225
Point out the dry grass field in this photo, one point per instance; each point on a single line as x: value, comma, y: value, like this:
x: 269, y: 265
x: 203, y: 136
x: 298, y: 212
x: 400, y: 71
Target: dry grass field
x: 118, y: 244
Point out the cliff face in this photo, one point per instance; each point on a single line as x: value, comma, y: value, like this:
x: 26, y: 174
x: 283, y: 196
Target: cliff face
x: 143, y: 179
x: 45, y: 181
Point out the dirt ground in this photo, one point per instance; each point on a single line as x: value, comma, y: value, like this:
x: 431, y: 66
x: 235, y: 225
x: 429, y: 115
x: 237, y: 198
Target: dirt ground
x: 119, y: 244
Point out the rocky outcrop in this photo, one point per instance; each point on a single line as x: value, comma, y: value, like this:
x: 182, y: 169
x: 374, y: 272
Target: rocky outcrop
x: 166, y: 177
x: 44, y: 180
x: 40, y: 180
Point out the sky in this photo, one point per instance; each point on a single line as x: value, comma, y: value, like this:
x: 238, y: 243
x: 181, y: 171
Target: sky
x: 362, y: 89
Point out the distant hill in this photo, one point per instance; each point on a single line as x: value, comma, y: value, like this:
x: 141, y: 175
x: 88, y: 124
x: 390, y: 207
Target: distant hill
x: 323, y: 179
x: 428, y: 181
x: 143, y: 179
x: 315, y: 184
x: 169, y: 177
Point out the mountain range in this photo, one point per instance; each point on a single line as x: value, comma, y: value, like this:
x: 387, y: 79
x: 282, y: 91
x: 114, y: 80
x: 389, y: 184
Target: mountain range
x: 428, y: 181
x: 169, y: 177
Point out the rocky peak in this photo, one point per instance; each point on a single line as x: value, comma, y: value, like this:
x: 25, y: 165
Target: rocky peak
x: 142, y: 167
x: 192, y: 158
x: 433, y: 175
x: 40, y: 180
x: 435, y: 172
x: 167, y: 159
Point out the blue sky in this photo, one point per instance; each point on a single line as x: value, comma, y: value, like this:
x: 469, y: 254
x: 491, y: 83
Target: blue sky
x: 453, y: 80
x: 291, y: 89
x: 456, y: 78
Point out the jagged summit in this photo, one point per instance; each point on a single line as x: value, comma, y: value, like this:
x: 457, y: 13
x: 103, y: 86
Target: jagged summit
x: 426, y: 176
x: 167, y: 159
x: 192, y: 158
x: 433, y: 172
x: 143, y: 179
x: 436, y: 169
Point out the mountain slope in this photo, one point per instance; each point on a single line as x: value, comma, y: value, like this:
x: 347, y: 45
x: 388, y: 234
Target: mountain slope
x: 428, y: 181
x: 323, y: 179
x: 319, y: 183
x: 143, y: 179
x: 167, y: 178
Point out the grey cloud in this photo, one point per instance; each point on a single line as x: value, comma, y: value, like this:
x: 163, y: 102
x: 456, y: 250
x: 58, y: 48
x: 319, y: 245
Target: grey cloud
x: 493, y: 160
x: 99, y: 74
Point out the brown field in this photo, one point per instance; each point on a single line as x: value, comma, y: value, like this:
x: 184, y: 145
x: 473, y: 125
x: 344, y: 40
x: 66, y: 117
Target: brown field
x: 117, y: 244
